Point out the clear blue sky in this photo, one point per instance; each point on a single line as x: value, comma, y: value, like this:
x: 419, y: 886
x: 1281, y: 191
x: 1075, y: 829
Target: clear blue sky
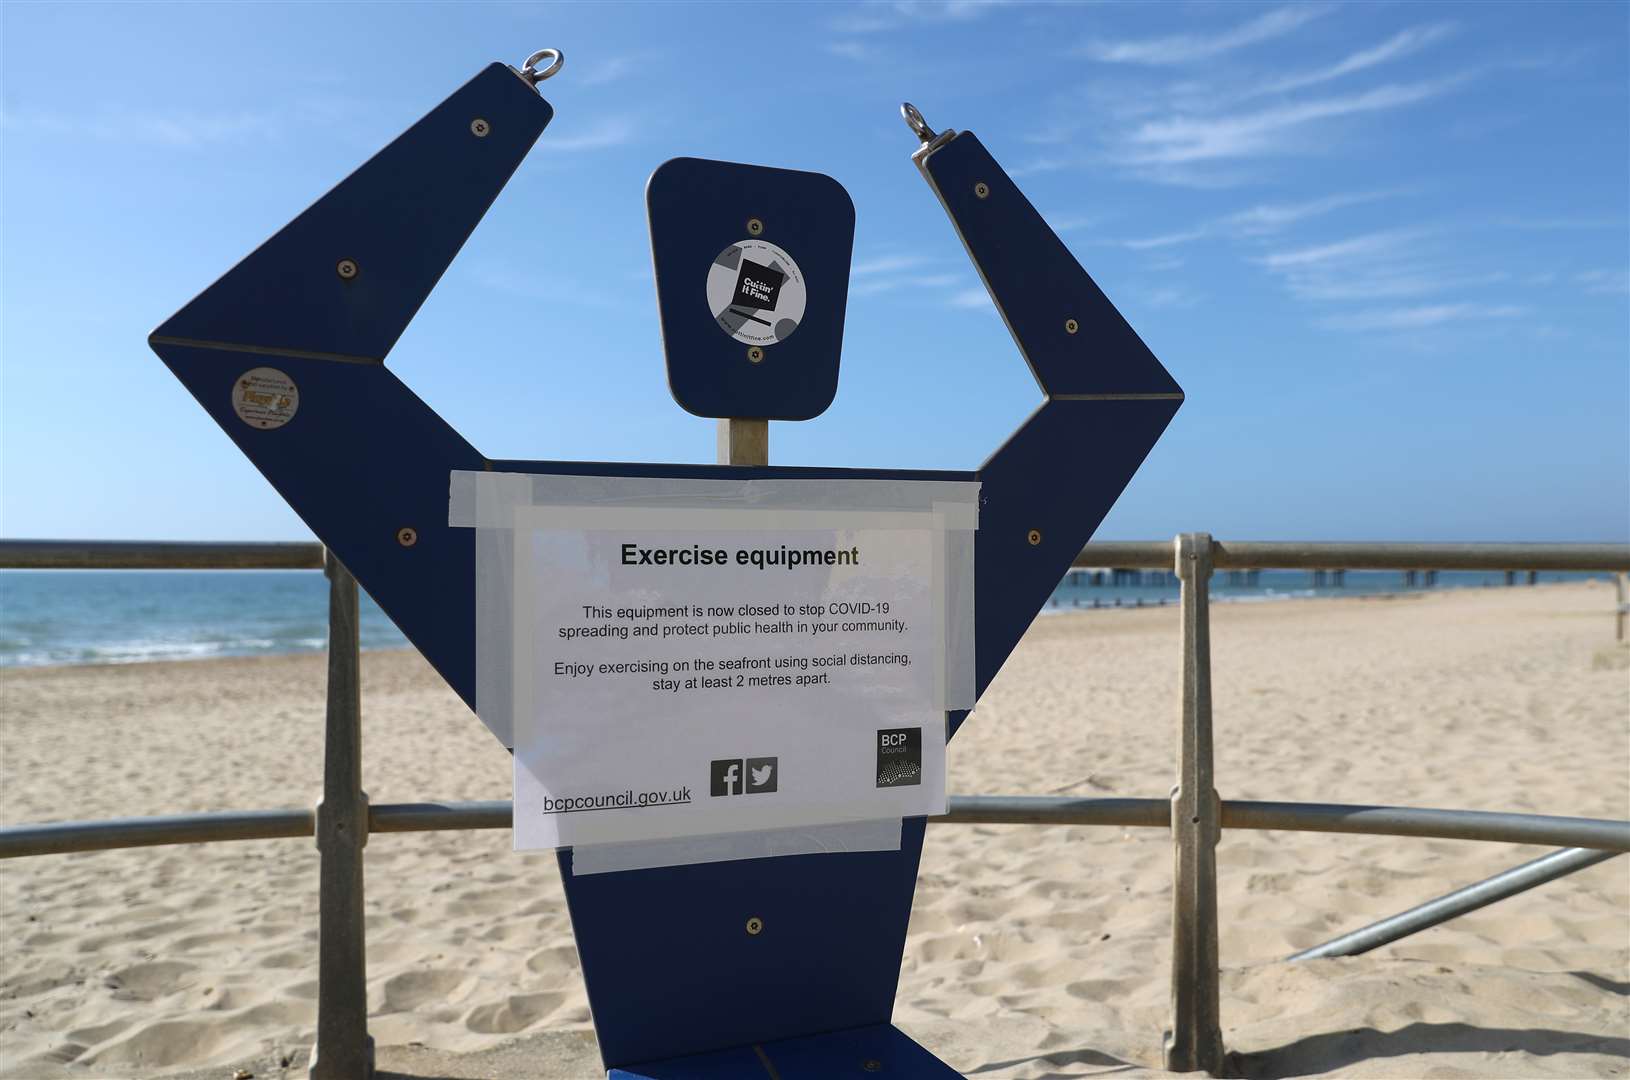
x: 1385, y: 248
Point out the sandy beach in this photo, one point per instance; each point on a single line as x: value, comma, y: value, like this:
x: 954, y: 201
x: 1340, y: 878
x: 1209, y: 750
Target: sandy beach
x: 1033, y: 952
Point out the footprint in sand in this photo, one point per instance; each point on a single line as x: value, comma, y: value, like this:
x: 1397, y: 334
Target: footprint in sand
x: 163, y: 1044
x: 560, y: 958
x: 270, y: 1015
x: 305, y: 990
x: 90, y: 1036
x: 61, y: 1054
x: 146, y: 932
x: 518, y: 1012
x: 196, y: 942
x: 408, y: 990
x: 147, y: 982
x: 285, y: 960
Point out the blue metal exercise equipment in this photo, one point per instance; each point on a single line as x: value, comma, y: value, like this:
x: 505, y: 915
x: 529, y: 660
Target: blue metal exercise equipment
x: 286, y: 352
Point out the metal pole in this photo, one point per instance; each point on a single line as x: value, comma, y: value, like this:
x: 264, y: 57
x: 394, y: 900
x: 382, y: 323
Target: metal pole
x: 1195, y: 1042
x: 1293, y: 555
x: 1623, y: 608
x: 1460, y: 902
x: 744, y: 442
x: 157, y: 555
x: 61, y: 837
x: 1599, y: 833
x: 344, y: 1050
x: 1044, y: 810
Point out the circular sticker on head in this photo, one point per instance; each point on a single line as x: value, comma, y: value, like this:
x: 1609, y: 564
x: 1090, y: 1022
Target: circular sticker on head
x: 264, y: 397
x: 756, y: 292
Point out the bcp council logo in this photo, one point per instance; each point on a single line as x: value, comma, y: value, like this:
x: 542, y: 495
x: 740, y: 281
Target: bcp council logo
x: 739, y: 776
x: 900, y: 757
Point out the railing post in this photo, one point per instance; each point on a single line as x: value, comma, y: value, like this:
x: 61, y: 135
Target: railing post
x: 345, y: 1050
x: 1195, y: 1042
x: 1622, y: 610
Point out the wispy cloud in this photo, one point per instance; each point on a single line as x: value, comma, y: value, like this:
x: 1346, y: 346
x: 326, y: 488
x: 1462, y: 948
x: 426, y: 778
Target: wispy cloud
x: 1049, y: 136
x: 1562, y: 224
x: 605, y: 70
x: 1396, y: 47
x: 875, y: 18
x: 1264, y: 219
x: 865, y: 21
x: 1184, y: 48
x: 1393, y: 264
x: 601, y: 134
x: 1341, y: 250
x: 897, y: 271
x: 1605, y: 282
x: 180, y: 127
x: 1072, y: 222
x: 1272, y: 217
x: 948, y: 10
x: 888, y: 264
x: 1388, y: 282
x: 527, y: 283
x: 1217, y: 122
x: 969, y: 298
x: 1186, y: 139
x: 859, y: 51
x: 1149, y: 243
x: 918, y: 283
x: 1037, y: 166
x: 1417, y: 318
x: 1166, y: 296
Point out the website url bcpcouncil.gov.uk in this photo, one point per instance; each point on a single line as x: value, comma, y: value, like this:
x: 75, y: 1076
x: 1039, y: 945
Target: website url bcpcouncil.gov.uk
x: 623, y: 800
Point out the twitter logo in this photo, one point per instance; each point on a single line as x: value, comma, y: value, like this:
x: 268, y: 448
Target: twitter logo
x: 763, y: 774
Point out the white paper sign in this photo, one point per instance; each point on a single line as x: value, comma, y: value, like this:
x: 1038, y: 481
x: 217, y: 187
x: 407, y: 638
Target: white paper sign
x: 681, y: 681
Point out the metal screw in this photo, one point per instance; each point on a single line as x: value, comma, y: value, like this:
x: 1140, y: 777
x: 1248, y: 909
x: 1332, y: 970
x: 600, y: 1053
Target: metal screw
x: 755, y: 354
x: 1071, y: 326
x: 407, y: 536
x: 346, y: 269
x: 755, y: 925
x: 754, y: 226
x: 981, y: 189
x: 1034, y: 537
x: 480, y: 128
x: 871, y: 1065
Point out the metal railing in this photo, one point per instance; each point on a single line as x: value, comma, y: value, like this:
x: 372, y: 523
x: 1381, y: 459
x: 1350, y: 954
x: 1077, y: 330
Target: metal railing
x: 66, y: 837
x: 342, y: 821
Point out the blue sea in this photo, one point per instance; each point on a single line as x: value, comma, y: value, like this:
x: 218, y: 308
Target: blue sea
x: 128, y: 616
x: 122, y: 617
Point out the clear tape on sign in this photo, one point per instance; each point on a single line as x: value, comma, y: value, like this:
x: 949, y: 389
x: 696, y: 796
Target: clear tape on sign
x: 848, y: 836
x: 489, y: 500
x: 495, y: 623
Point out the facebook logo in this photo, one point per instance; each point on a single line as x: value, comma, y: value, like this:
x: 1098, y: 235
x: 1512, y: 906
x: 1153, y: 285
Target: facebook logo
x: 752, y: 776
x: 725, y: 777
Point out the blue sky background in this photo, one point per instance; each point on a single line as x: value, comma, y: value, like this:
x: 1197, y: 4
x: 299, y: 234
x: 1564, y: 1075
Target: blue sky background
x: 1385, y: 248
